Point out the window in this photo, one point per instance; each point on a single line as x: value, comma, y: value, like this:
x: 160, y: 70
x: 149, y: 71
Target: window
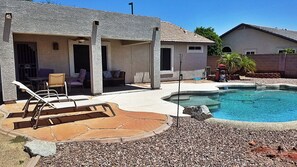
x: 284, y: 51
x: 250, y: 52
x: 195, y: 49
x: 166, y: 59
x: 227, y: 50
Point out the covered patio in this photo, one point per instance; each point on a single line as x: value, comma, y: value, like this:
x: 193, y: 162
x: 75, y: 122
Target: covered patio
x: 94, y: 40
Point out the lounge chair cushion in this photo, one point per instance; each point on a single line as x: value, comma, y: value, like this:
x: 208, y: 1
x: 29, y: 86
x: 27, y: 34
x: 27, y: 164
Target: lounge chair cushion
x: 76, y: 83
x: 116, y: 74
x: 82, y: 75
x: 107, y: 74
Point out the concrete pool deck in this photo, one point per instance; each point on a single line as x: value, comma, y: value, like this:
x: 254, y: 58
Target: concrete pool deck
x: 152, y: 101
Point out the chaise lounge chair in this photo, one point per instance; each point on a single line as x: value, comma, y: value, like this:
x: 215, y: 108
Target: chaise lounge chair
x: 49, y: 95
x: 56, y: 104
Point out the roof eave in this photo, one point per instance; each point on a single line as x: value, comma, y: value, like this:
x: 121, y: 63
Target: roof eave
x: 259, y: 29
x: 210, y: 42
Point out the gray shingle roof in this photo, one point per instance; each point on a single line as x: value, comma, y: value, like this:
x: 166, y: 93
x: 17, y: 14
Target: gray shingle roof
x: 173, y: 33
x: 283, y: 33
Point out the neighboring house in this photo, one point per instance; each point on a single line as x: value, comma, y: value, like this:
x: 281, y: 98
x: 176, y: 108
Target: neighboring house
x: 176, y: 41
x: 65, y: 39
x: 252, y: 39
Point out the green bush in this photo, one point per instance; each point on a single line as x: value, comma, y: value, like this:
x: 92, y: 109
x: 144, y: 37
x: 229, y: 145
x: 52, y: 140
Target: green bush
x: 237, y: 63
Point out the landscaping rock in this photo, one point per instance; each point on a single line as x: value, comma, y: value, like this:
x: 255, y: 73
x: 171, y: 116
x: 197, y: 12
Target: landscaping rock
x: 252, y: 143
x: 42, y: 148
x: 200, y: 113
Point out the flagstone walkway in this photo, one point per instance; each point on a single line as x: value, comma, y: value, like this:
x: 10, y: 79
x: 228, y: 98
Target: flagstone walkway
x: 84, y: 125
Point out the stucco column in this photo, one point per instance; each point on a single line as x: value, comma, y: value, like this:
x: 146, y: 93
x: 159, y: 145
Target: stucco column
x: 7, y: 63
x: 96, y: 61
x: 155, y: 60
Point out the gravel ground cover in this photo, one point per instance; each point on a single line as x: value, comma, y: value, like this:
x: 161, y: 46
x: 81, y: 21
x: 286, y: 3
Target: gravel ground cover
x: 267, y: 80
x: 194, y: 143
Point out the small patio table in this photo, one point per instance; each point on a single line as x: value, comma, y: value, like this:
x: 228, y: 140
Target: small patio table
x: 36, y: 81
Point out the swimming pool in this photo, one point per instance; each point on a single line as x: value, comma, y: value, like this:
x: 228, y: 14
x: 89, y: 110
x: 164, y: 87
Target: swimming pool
x: 248, y: 104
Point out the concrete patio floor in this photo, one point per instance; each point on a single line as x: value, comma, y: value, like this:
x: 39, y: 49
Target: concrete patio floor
x: 148, y: 100
x: 84, y: 125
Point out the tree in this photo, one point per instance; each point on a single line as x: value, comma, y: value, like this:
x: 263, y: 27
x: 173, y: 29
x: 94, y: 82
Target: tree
x: 238, y: 64
x: 232, y: 61
x: 247, y: 64
x: 289, y: 51
x: 212, y: 35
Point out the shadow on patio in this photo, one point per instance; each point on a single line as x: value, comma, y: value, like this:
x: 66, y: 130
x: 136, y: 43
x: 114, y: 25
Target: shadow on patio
x: 85, y: 124
x: 87, y: 91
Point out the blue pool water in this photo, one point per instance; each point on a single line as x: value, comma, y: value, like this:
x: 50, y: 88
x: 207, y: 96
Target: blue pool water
x: 250, y: 105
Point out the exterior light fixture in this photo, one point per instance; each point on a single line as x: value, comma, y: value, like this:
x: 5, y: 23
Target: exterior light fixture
x: 8, y: 16
x: 81, y: 39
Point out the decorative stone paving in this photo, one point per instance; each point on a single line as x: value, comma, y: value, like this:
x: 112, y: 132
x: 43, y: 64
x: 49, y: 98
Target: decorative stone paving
x: 86, y: 124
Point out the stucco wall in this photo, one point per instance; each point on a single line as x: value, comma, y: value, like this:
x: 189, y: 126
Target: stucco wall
x: 134, y: 60
x: 47, y: 57
x: 285, y: 64
x: 251, y: 39
x: 193, y: 64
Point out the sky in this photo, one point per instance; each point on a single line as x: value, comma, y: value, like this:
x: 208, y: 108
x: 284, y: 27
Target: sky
x: 222, y: 15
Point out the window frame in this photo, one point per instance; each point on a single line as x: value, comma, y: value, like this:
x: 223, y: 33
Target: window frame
x: 171, y: 58
x: 71, y: 55
x: 194, y: 51
x: 283, y: 49
x: 227, y: 47
x: 250, y: 50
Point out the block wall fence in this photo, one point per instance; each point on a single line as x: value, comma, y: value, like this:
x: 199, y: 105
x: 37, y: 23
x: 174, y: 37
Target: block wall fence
x: 284, y: 64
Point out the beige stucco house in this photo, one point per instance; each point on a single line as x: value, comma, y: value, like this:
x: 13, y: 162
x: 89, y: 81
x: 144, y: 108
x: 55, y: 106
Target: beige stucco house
x: 65, y: 39
x: 252, y: 39
x: 177, y: 42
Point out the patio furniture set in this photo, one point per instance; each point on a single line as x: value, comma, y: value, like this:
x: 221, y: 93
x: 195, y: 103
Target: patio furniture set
x: 48, y: 100
x: 46, y: 78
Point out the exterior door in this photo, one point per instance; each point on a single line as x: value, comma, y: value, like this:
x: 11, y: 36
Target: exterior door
x: 81, y: 55
x: 104, y: 58
x: 25, y: 60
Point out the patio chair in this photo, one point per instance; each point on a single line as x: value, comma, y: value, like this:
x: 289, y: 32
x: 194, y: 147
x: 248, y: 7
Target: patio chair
x: 57, y: 80
x: 49, y: 95
x: 78, y: 81
x: 70, y: 103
